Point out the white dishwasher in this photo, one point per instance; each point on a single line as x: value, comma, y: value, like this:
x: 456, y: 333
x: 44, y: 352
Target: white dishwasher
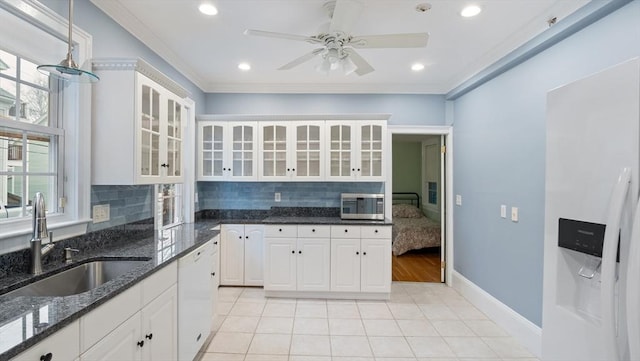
x: 194, y: 301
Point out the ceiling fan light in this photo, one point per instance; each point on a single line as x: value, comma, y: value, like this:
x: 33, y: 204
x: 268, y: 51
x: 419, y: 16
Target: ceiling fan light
x: 417, y: 67
x: 324, y: 66
x: 348, y: 66
x: 244, y: 66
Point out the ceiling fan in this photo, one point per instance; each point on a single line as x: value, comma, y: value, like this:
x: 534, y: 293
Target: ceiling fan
x: 338, y: 45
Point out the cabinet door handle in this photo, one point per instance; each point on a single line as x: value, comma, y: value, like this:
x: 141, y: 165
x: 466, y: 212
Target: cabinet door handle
x: 165, y: 165
x: 47, y: 357
x: 149, y: 336
x: 141, y: 343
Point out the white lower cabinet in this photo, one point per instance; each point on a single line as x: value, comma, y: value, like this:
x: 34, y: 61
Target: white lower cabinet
x: 139, y: 324
x: 296, y: 260
x: 241, y: 255
x: 215, y: 275
x: 64, y: 345
x: 361, y: 259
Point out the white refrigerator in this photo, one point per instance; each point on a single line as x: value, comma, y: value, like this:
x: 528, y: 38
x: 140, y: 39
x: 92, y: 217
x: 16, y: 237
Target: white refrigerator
x: 591, y: 291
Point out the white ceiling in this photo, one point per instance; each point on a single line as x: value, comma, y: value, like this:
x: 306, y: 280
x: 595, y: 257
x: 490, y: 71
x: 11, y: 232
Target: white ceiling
x: 207, y: 50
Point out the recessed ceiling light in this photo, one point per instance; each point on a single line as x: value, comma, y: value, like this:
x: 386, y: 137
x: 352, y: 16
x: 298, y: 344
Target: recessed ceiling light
x: 417, y: 67
x: 471, y: 10
x: 244, y: 66
x: 208, y: 9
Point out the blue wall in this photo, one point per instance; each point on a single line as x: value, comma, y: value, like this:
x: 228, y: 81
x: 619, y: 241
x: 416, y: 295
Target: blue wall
x: 405, y: 109
x: 260, y: 195
x: 499, y: 132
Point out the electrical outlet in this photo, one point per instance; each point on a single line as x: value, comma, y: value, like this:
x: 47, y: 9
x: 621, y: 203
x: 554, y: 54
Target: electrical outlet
x: 514, y: 214
x: 277, y: 197
x: 503, y: 211
x: 458, y: 200
x: 101, y: 213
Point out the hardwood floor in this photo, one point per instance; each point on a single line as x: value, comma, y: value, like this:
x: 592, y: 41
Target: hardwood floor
x: 417, y: 266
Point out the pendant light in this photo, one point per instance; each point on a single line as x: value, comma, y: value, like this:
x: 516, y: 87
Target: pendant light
x: 68, y: 69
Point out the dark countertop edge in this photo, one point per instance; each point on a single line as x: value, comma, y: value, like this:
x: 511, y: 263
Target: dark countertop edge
x: 26, y: 344
x: 306, y: 220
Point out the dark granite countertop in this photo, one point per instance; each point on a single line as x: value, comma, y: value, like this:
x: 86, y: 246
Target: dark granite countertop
x: 17, y: 332
x: 323, y: 221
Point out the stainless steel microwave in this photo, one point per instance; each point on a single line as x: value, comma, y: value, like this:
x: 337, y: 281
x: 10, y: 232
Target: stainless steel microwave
x: 362, y: 206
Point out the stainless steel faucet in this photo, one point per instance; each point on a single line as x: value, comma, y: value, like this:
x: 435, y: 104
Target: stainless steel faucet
x: 40, y: 232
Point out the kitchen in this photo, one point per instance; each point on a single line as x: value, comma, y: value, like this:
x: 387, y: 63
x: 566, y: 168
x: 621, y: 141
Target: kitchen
x: 485, y: 175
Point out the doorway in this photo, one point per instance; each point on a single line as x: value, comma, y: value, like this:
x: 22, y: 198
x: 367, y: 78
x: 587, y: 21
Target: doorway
x: 419, y: 180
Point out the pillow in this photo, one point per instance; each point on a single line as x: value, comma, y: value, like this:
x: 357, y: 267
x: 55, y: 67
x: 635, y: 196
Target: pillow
x: 406, y: 211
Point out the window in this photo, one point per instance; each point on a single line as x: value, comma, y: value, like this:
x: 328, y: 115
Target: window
x: 45, y: 128
x: 29, y: 137
x: 169, y: 206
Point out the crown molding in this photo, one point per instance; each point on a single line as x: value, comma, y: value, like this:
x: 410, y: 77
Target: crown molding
x: 315, y: 88
x: 142, y: 67
x: 292, y: 117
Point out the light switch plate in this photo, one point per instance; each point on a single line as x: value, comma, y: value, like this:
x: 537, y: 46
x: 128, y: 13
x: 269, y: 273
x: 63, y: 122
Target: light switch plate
x: 458, y: 200
x: 503, y: 211
x: 277, y: 197
x: 514, y: 214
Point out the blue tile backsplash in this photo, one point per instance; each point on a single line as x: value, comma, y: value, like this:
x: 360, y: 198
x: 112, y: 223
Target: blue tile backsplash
x: 260, y: 195
x: 127, y: 204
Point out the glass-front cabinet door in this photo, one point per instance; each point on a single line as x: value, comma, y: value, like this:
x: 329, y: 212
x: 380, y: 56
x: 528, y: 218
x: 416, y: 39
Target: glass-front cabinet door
x: 149, y: 150
x: 173, y: 163
x: 227, y: 150
x: 308, y: 157
x: 341, y: 141
x: 242, y: 162
x: 371, y: 144
x: 273, y: 155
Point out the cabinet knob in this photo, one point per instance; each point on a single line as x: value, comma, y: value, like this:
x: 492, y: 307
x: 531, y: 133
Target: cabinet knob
x: 357, y: 252
x: 376, y: 231
x: 293, y: 169
x: 299, y: 252
x: 224, y: 168
x: 216, y: 242
x: 149, y: 336
x: 247, y: 237
x: 364, y: 253
x: 358, y: 169
x: 280, y: 230
x: 141, y: 343
x: 346, y: 230
x: 240, y: 237
x: 293, y: 252
x: 47, y: 357
x: 353, y: 169
x: 288, y: 170
x: 165, y: 165
x: 229, y: 169
x: 213, y: 274
x: 313, y: 230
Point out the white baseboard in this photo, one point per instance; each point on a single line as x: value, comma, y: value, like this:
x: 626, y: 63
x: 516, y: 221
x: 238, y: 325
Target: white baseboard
x: 524, y: 331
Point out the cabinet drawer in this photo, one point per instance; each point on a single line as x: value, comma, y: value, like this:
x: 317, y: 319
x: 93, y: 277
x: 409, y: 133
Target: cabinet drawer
x: 158, y: 282
x: 345, y: 231
x: 314, y: 231
x: 281, y: 231
x: 62, y: 345
x: 376, y: 232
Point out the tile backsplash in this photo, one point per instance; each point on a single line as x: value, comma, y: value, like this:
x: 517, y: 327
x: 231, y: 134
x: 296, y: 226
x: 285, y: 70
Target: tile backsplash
x: 127, y: 204
x: 260, y: 195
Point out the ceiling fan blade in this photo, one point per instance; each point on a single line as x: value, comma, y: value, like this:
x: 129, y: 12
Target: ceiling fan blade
x: 302, y: 59
x: 410, y: 40
x: 345, y: 14
x: 362, y: 66
x: 271, y: 34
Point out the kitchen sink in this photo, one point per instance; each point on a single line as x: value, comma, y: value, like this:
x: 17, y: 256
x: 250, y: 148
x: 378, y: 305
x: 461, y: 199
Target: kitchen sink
x: 81, y: 278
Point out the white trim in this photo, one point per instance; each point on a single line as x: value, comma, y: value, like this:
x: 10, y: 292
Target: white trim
x: 447, y: 131
x: 524, y: 331
x: 320, y: 88
x: 292, y: 117
x: 189, y: 161
x: 141, y: 66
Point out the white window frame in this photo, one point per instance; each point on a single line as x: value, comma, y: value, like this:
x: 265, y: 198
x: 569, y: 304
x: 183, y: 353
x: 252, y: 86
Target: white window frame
x: 76, y: 119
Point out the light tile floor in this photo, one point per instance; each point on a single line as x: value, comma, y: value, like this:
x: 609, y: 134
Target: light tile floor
x: 421, y: 321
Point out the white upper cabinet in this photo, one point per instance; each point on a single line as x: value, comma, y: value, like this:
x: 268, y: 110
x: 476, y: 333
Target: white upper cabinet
x: 138, y: 121
x: 292, y: 150
x: 356, y: 150
x: 228, y: 150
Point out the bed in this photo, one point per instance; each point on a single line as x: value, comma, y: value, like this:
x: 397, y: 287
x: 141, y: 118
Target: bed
x: 411, y: 229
